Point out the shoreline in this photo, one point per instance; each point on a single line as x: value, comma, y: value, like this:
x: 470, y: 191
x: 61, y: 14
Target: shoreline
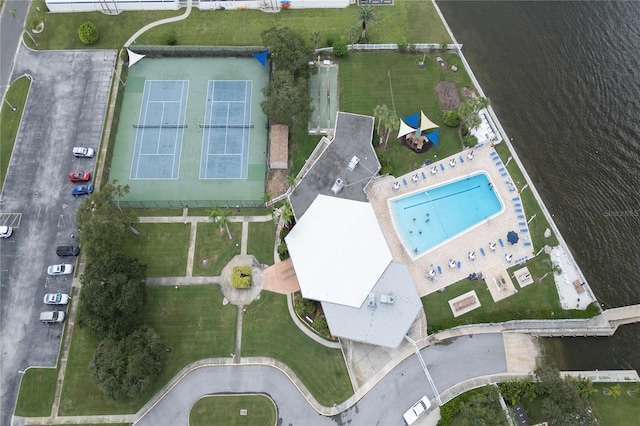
x: 561, y: 241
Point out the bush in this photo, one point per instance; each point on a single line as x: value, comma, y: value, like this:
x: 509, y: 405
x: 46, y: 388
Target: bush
x: 303, y: 306
x: 331, y: 39
x: 402, y: 46
x: 470, y: 140
x: 320, y: 325
x: 171, y: 38
x: 241, y: 277
x: 340, y: 49
x: 451, y: 408
x: 413, y: 48
x: 88, y: 33
x: 451, y: 118
x: 283, y: 251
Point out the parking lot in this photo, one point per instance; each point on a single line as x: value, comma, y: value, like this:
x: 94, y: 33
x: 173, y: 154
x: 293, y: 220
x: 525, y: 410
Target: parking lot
x: 65, y: 108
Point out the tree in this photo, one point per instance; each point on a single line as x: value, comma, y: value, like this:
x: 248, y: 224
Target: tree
x: 88, y: 33
x: 468, y: 111
x: 353, y: 34
x: 288, y: 51
x: 515, y: 391
x: 483, y: 409
x: 287, y: 100
x: 392, y: 125
x: 381, y: 112
x: 128, y: 366
x: 113, y: 295
x: 562, y: 403
x: 366, y: 16
x: 103, y: 225
x: 315, y: 37
x: 220, y: 217
x: 286, y: 213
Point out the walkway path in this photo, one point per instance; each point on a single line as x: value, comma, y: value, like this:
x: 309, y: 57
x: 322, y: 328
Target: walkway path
x: 147, y: 27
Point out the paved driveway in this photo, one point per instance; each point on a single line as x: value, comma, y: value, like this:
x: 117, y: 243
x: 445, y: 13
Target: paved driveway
x: 456, y: 360
x: 66, y: 107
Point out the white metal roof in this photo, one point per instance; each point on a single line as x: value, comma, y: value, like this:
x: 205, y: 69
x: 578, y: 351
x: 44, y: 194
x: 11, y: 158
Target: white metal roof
x: 338, y: 251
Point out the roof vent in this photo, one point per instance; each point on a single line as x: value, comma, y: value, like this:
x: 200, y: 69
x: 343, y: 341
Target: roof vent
x: 371, y: 300
x: 388, y: 299
x: 337, y: 186
x: 353, y: 163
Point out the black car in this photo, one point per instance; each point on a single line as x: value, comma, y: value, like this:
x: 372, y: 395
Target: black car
x: 67, y: 250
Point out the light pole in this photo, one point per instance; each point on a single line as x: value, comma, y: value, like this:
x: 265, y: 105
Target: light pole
x: 4, y: 98
x: 12, y: 12
x: 117, y: 73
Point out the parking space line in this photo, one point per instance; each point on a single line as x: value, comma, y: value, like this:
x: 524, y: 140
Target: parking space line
x: 11, y: 219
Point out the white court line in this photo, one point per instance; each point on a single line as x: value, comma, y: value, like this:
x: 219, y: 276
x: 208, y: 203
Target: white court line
x: 183, y: 119
x: 143, y: 110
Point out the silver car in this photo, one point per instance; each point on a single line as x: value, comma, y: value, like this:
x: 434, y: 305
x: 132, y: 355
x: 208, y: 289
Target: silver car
x: 5, y: 231
x: 61, y: 269
x: 52, y: 316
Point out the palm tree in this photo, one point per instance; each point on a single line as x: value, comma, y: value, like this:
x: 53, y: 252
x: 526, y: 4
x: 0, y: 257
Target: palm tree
x: 353, y: 34
x: 316, y: 36
x: 468, y: 111
x: 219, y: 216
x: 392, y: 125
x: 365, y: 17
x: 381, y: 112
x: 286, y: 213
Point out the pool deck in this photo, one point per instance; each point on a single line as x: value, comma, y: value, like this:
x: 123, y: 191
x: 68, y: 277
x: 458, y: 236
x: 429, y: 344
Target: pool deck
x: 473, y: 240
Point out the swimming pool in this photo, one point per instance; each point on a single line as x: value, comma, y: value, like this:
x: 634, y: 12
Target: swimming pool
x: 426, y: 219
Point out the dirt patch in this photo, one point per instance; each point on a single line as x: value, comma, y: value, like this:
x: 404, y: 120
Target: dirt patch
x: 447, y: 95
x: 277, y: 182
x: 469, y: 92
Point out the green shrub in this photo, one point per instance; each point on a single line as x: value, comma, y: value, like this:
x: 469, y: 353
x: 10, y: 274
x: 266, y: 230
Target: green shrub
x: 451, y: 408
x: 320, y: 325
x: 171, y: 38
x: 451, y: 118
x: 283, y: 251
x: 470, y: 140
x: 88, y: 33
x: 331, y: 39
x: 402, y: 46
x: 340, y: 49
x: 303, y: 306
x: 413, y: 48
x: 241, y: 277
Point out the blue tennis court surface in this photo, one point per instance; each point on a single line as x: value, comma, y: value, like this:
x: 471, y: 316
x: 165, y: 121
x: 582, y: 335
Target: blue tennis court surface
x: 160, y: 130
x: 227, y: 124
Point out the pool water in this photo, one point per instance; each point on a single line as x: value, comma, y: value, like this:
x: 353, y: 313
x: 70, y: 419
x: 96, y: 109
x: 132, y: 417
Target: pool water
x: 427, y: 219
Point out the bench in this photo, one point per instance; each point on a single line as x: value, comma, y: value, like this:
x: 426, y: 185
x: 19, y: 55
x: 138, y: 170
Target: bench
x: 578, y: 286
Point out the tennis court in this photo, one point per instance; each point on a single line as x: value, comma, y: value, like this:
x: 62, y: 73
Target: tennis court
x: 160, y: 130
x: 225, y: 140
x: 191, y: 132
x: 323, y: 88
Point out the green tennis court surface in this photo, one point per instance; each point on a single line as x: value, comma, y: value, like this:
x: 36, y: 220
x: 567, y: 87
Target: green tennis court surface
x: 191, y: 132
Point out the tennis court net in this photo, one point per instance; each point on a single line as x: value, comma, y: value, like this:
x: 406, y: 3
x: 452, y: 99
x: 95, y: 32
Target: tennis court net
x: 159, y: 126
x: 225, y: 126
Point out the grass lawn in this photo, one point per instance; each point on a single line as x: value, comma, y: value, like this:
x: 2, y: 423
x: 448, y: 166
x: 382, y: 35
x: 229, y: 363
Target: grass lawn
x: 268, y: 330
x: 192, y: 322
x: 225, y: 410
x: 262, y: 238
x: 538, y: 225
x: 620, y: 410
x: 536, y: 301
x: 10, y: 121
x: 37, y: 390
x: 413, y: 90
x: 162, y: 246
x: 157, y: 212
x: 215, y: 247
x: 415, y: 22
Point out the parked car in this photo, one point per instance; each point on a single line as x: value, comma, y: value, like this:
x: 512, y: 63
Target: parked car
x: 67, y: 250
x: 418, y: 409
x: 83, y: 152
x: 79, y: 176
x: 62, y: 269
x: 52, y: 316
x: 5, y: 231
x: 82, y: 190
x: 56, y: 299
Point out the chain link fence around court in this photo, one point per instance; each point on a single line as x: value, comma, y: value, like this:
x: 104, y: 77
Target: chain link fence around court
x: 192, y: 204
x: 197, y: 51
x: 410, y: 47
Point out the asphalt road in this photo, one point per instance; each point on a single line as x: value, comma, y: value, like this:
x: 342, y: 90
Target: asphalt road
x: 10, y: 37
x: 449, y: 363
x: 66, y: 107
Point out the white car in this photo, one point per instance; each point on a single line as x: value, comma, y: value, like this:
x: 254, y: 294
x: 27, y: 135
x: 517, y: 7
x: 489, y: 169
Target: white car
x: 52, y: 316
x: 5, y: 231
x: 61, y: 269
x: 418, y: 409
x: 84, y: 152
x: 56, y: 299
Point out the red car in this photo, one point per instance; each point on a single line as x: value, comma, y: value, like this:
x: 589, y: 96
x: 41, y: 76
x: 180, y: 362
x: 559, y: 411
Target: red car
x: 80, y: 176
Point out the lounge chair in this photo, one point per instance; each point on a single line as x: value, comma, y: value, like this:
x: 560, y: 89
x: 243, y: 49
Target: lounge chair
x: 520, y: 216
x: 525, y: 230
x: 424, y: 176
x: 522, y: 223
x: 482, y: 251
x: 439, y: 270
x: 527, y: 244
x: 518, y: 210
x: 404, y: 181
x: 515, y: 199
x: 500, y: 242
x: 501, y: 169
x: 442, y: 167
